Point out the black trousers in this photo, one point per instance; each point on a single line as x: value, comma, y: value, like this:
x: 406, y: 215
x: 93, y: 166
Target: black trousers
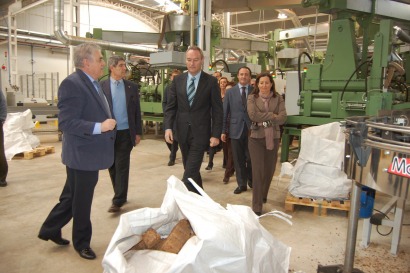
x: 241, y: 159
x: 192, y: 154
x: 75, y: 202
x: 3, y: 162
x: 120, y: 170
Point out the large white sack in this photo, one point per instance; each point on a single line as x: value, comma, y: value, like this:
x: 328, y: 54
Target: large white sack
x: 18, y: 136
x: 318, y: 169
x: 319, y: 181
x: 226, y: 240
x: 323, y: 144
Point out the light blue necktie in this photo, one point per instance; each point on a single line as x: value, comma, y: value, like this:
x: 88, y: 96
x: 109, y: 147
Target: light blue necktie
x: 191, y: 91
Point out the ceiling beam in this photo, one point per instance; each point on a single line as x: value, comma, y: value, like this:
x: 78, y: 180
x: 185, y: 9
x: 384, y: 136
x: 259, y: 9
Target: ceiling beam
x: 249, y: 5
x: 274, y: 20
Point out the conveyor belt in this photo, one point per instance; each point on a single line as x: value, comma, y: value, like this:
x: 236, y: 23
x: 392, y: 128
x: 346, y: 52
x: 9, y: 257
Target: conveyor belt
x: 49, y: 111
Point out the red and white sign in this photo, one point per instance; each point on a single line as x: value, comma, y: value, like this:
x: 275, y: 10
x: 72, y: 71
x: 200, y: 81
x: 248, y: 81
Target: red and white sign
x: 400, y: 166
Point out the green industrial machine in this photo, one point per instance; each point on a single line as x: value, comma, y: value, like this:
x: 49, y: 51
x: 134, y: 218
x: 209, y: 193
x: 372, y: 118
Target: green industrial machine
x: 363, y: 70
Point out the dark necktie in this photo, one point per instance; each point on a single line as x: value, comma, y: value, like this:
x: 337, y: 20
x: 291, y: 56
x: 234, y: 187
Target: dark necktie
x: 191, y: 91
x: 243, y: 96
x: 102, y: 97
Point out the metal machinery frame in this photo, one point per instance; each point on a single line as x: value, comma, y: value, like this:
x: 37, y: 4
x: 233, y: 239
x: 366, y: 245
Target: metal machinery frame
x: 377, y: 158
x: 355, y: 78
x: 395, y: 205
x: 361, y: 77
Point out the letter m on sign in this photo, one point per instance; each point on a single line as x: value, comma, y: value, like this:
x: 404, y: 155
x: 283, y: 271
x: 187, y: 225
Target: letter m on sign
x: 400, y: 166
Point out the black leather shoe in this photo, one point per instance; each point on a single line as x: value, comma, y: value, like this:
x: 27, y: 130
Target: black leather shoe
x: 171, y: 163
x: 87, y: 253
x: 3, y: 183
x: 114, y: 208
x: 209, y: 167
x: 226, y: 179
x: 238, y: 190
x: 57, y: 240
x: 250, y: 183
x: 258, y: 213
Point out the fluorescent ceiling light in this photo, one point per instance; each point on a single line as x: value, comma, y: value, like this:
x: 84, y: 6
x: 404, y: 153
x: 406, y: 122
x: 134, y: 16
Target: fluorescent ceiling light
x: 282, y: 16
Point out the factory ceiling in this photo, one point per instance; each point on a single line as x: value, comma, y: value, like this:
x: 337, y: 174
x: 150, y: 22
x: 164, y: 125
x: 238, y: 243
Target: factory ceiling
x: 249, y: 19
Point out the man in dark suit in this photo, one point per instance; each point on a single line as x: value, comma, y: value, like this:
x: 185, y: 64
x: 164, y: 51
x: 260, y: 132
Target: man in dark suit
x: 195, y: 104
x: 3, y: 162
x: 173, y: 148
x: 88, y: 146
x: 239, y: 124
x: 123, y: 98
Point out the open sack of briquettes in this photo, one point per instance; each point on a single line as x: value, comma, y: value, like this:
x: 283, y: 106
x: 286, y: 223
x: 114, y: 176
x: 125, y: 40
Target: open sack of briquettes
x: 191, y: 233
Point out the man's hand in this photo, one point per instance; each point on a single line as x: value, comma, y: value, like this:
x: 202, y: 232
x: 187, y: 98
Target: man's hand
x: 213, y: 142
x: 137, y: 139
x: 223, y: 137
x: 169, y: 138
x: 108, y: 125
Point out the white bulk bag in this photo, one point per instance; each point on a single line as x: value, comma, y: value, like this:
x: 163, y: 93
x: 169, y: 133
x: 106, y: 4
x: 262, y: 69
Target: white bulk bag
x: 226, y: 240
x: 323, y: 144
x: 18, y: 136
x: 318, y: 170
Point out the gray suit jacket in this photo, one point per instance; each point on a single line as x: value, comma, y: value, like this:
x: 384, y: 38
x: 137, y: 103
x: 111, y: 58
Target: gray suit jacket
x: 233, y: 107
x: 80, y: 108
x: 205, y: 115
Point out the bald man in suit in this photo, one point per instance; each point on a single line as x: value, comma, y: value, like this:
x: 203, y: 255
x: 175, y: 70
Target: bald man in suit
x: 195, y: 104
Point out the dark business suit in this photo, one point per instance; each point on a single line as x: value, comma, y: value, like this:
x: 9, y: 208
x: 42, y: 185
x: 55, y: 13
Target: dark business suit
x: 238, y: 126
x: 173, y: 148
x: 83, y: 153
x: 195, y: 124
x: 3, y: 162
x: 125, y: 139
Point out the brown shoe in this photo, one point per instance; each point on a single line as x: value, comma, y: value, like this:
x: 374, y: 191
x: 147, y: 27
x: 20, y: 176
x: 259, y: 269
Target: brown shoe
x: 114, y: 208
x: 226, y: 179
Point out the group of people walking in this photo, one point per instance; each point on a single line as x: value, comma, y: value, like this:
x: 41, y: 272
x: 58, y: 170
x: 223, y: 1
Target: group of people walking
x: 245, y: 118
x: 101, y: 123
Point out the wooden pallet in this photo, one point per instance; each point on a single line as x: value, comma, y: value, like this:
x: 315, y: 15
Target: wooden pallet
x: 36, y: 152
x: 320, y: 207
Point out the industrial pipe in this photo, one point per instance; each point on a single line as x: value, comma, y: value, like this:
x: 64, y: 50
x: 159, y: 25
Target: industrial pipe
x: 403, y: 36
x: 74, y: 40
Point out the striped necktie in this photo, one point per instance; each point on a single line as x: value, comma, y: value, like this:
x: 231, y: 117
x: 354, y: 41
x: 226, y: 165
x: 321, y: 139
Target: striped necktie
x: 191, y: 91
x: 244, y: 96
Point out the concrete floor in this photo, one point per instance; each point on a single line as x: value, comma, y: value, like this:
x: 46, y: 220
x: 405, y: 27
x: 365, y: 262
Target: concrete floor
x: 35, y: 185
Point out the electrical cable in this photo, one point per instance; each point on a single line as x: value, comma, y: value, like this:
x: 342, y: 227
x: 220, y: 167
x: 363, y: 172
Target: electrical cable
x: 377, y: 227
x: 299, y: 77
x: 351, y: 76
x: 281, y: 72
x: 222, y: 61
